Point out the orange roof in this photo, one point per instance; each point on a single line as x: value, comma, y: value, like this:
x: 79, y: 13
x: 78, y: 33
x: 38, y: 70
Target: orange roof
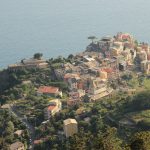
x: 148, y: 56
x: 37, y: 141
x: 51, y: 107
x: 48, y: 89
x: 108, y: 70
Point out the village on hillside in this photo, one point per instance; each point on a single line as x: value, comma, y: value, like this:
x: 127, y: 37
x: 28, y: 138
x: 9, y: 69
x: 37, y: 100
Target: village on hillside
x: 103, y: 61
x: 89, y: 76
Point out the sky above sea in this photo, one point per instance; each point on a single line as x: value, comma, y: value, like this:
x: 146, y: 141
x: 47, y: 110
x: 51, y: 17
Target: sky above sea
x: 61, y: 27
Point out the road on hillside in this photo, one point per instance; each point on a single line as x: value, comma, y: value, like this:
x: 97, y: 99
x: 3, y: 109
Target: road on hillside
x: 29, y: 127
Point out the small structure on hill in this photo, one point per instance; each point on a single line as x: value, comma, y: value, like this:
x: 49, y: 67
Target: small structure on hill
x: 49, y: 91
x: 70, y: 127
x: 17, y: 146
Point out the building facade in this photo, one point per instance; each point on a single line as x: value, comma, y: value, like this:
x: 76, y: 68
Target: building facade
x: 54, y: 107
x: 70, y: 127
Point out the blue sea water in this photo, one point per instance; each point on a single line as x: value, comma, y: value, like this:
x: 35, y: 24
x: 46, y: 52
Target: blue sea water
x: 61, y: 27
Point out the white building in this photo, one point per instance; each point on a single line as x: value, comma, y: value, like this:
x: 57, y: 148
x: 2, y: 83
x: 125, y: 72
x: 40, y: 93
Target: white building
x: 54, y: 107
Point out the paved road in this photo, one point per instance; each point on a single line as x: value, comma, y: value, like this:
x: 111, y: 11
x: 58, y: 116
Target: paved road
x: 29, y: 127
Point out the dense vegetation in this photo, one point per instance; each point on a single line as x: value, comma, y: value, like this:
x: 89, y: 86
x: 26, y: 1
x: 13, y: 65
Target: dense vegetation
x: 8, y: 125
x: 100, y: 132
x: 105, y: 128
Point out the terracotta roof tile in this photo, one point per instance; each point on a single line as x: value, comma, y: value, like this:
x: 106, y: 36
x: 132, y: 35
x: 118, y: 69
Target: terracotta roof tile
x: 108, y: 70
x: 48, y: 89
x: 37, y: 141
x: 51, y: 107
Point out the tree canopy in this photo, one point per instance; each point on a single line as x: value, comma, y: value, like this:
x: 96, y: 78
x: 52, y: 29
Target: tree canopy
x: 92, y: 38
x: 141, y: 141
x: 37, y: 55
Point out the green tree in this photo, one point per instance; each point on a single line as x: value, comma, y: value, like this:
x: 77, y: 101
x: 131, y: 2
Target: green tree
x: 70, y: 56
x: 141, y: 141
x: 108, y: 140
x: 92, y: 38
x: 37, y: 55
x: 9, y: 131
x: 9, y: 127
x: 141, y: 101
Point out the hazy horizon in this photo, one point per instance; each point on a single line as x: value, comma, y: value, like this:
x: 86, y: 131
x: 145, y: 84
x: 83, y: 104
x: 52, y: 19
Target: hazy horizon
x: 61, y: 27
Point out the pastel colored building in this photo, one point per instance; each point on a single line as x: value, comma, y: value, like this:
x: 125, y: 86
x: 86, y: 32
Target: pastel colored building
x: 145, y: 66
x: 103, y: 75
x: 143, y: 55
x: 116, y: 49
x: 70, y: 127
x: 72, y: 80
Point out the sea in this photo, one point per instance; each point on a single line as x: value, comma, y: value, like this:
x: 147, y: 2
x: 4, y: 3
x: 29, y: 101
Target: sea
x: 61, y: 27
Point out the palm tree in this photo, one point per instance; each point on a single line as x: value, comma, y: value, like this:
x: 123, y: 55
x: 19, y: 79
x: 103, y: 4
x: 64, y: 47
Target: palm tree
x: 92, y: 38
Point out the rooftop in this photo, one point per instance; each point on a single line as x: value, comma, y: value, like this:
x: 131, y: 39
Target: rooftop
x: 51, y: 107
x: 16, y: 145
x: 48, y: 89
x: 106, y: 38
x: 18, y: 132
x: 37, y: 142
x: 69, y: 121
x: 71, y: 75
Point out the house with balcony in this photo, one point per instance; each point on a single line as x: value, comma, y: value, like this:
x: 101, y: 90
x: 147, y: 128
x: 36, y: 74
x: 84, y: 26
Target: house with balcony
x: 98, y: 90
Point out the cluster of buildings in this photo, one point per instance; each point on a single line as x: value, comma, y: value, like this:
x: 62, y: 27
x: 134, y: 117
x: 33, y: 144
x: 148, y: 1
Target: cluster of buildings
x: 101, y: 62
x: 120, y: 47
x: 91, y: 70
x: 54, y: 104
x: 70, y: 126
x: 143, y: 57
x: 126, y: 49
x: 87, y: 76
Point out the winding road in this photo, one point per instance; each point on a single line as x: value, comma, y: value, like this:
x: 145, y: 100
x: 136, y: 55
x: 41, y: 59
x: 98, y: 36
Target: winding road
x: 29, y: 127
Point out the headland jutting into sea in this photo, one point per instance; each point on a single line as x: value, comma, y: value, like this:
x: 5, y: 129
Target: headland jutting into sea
x: 99, y: 95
